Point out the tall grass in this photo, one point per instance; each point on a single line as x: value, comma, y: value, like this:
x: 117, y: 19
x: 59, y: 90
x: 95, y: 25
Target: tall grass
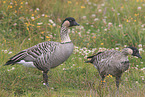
x: 105, y: 24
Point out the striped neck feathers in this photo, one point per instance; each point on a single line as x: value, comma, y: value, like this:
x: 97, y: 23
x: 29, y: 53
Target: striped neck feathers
x: 64, y: 34
x: 127, y: 51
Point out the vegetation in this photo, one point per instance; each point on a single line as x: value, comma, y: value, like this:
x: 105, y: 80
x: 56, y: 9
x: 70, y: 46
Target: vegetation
x: 105, y: 24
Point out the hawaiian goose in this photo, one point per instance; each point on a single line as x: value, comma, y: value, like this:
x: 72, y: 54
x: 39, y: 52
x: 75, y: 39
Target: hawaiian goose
x: 47, y: 54
x: 113, y: 62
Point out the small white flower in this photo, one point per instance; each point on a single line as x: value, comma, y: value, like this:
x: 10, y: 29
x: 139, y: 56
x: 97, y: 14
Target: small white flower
x: 89, y: 3
x: 15, y: 24
x: 92, y: 25
x: 99, y: 10
x: 95, y: 4
x: 109, y: 24
x: 54, y: 25
x: 140, y: 45
x: 93, y: 15
x: 120, y: 25
x: 143, y: 68
x: 43, y: 15
x: 51, y: 21
x: 136, y: 82
x: 44, y: 84
x: 13, y: 68
x: 32, y: 18
x: 37, y: 9
x: 102, y: 4
x: 117, y: 48
x: 139, y: 8
x: 87, y: 23
x: 11, y: 3
x: 5, y: 51
x: 125, y: 45
x: 96, y: 19
x: 39, y: 23
x: 10, y: 52
x: 105, y: 29
x: 26, y: 2
x: 84, y: 17
x: 118, y: 13
x: 64, y: 69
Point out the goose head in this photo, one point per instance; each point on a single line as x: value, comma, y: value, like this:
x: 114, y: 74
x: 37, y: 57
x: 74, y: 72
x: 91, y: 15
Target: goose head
x: 135, y: 52
x: 69, y: 22
x: 132, y: 51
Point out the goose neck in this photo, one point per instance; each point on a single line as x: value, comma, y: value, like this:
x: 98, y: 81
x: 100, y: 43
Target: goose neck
x: 64, y: 34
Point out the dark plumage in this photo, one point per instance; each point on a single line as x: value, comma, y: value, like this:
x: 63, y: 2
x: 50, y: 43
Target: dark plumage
x: 113, y: 62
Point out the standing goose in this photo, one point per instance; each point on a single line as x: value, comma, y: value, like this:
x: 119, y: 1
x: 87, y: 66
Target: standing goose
x: 113, y: 62
x: 47, y: 54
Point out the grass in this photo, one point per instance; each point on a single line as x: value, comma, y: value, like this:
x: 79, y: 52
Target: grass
x: 110, y: 24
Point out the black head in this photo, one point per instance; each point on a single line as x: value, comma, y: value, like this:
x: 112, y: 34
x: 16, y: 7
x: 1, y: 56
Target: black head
x: 68, y: 22
x: 135, y: 52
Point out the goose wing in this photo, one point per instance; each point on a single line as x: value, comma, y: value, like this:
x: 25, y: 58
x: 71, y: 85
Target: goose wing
x: 34, y: 53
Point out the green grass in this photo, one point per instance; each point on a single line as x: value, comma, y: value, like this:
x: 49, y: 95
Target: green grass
x: 103, y: 24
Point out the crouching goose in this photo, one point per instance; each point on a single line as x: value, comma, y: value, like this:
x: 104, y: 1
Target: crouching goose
x: 113, y: 62
x: 49, y: 54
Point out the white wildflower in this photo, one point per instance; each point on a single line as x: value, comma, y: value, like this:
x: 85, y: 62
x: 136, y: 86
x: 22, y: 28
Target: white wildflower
x: 118, y: 13
x: 51, y: 21
x: 10, y: 52
x: 117, y: 48
x: 95, y: 4
x: 43, y: 15
x: 84, y: 17
x: 99, y: 10
x: 53, y: 24
x: 143, y: 68
x: 44, y: 84
x: 120, y: 25
x: 96, y: 19
x: 139, y: 8
x: 39, y: 23
x: 105, y: 29
x: 109, y: 24
x: 15, y: 24
x: 26, y: 2
x: 5, y: 51
x: 102, y: 4
x: 11, y: 3
x: 93, y: 15
x: 125, y: 45
x: 140, y: 45
x: 32, y: 18
x: 64, y: 69
x: 89, y: 3
x: 37, y: 9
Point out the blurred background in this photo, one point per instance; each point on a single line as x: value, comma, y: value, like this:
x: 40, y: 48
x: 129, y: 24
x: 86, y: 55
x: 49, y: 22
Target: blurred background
x: 104, y: 25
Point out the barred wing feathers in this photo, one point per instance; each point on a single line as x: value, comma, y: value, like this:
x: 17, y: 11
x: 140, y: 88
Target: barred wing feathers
x: 33, y: 53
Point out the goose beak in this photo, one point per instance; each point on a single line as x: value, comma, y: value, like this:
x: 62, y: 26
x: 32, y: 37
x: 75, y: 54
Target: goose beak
x: 76, y: 24
x: 138, y: 55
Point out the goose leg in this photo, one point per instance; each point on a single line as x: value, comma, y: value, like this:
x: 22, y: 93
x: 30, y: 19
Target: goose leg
x: 117, y: 84
x: 45, y: 78
x: 102, y: 79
